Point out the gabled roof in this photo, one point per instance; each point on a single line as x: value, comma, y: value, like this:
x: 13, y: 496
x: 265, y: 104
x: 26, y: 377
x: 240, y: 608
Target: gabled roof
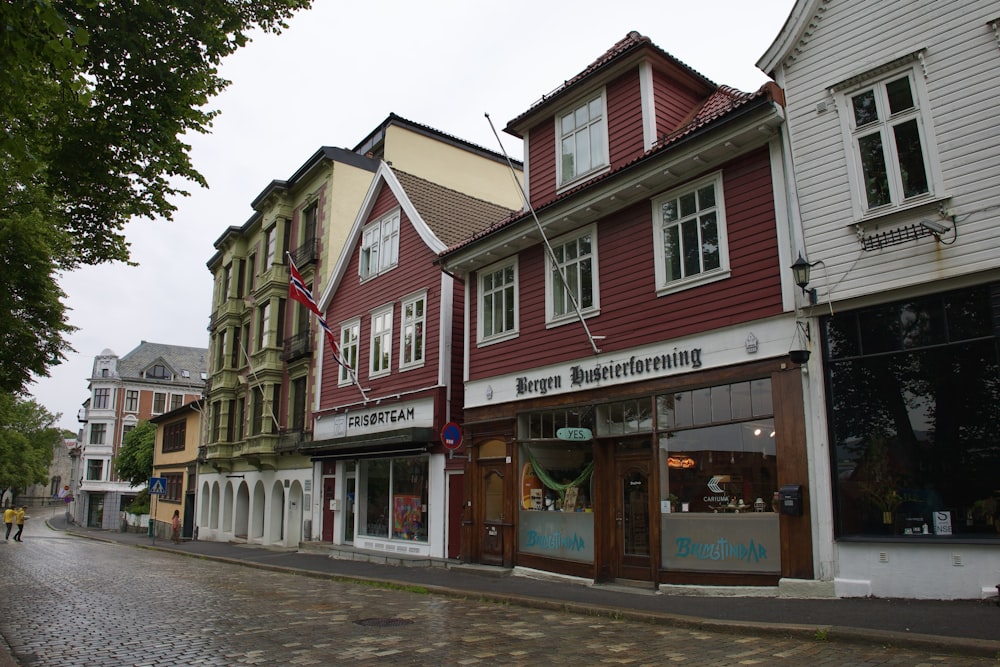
x: 451, y: 215
x: 177, y: 357
x: 440, y: 215
x: 622, y: 52
x: 723, y: 104
x: 792, y: 32
x: 371, y: 144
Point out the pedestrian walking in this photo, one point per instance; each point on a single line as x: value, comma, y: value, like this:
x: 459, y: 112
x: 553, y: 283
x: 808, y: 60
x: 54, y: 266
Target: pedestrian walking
x: 19, y: 518
x: 175, y: 527
x: 8, y: 518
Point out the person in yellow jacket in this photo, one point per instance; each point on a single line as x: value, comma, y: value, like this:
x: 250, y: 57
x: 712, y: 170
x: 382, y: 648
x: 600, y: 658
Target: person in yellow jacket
x: 19, y: 520
x: 8, y: 518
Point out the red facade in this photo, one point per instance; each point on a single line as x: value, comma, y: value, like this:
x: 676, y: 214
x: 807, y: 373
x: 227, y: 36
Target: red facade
x: 631, y: 312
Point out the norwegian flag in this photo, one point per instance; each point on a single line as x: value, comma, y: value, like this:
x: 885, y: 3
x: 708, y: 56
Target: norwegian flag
x: 332, y: 340
x: 297, y: 290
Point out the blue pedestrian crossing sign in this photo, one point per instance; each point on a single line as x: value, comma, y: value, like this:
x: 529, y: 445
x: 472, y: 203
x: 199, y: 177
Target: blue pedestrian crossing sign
x: 157, y: 486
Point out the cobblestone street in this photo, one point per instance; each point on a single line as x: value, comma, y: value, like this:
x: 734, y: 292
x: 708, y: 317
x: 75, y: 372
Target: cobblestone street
x: 69, y: 601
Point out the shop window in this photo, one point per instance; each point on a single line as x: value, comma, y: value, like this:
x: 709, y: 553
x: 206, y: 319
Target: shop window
x: 625, y: 417
x: 544, y: 425
x: 913, y: 415
x: 555, y: 495
x: 717, y: 448
x: 557, y: 477
x: 395, y: 498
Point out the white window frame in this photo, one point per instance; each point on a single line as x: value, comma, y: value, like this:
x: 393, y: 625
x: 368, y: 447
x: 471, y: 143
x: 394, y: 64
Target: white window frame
x: 596, y: 128
x: 413, y: 325
x: 160, y: 396
x: 350, y: 341
x: 263, y: 325
x: 553, y: 281
x: 668, y: 285
x: 496, y: 335
x: 876, y: 80
x: 99, y: 432
x: 380, y: 336
x: 379, y: 246
x: 270, y: 241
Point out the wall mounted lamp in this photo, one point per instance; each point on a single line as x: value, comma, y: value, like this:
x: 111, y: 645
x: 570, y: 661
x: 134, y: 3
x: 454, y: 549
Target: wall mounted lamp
x: 800, y: 272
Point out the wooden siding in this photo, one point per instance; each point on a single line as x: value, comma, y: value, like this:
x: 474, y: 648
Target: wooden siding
x: 624, y: 102
x: 631, y: 314
x: 960, y: 60
x: 542, y: 162
x: 356, y: 299
x: 674, y: 103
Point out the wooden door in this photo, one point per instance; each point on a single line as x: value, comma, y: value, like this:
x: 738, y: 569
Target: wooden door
x: 493, y: 514
x: 633, y: 533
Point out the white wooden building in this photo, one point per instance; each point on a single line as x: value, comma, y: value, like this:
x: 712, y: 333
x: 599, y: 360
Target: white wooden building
x: 892, y: 135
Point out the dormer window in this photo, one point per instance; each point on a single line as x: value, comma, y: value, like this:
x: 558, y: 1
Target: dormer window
x: 582, y: 134
x: 379, y: 246
x: 159, y: 372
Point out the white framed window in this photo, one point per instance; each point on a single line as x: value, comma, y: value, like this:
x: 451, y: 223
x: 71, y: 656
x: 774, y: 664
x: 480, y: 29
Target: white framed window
x: 263, y: 326
x: 102, y: 398
x: 98, y: 433
x: 572, y: 275
x: 159, y: 403
x: 582, y: 138
x: 413, y: 330
x: 689, y: 235
x: 379, y: 246
x: 270, y: 241
x: 381, y: 342
x: 350, y: 333
x: 886, y: 128
x: 498, y: 304
x: 131, y: 400
x: 95, y: 470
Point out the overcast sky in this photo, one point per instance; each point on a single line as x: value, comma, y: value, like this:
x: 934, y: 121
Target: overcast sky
x: 330, y: 79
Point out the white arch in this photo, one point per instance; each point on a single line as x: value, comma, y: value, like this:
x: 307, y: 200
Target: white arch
x: 276, y: 515
x: 293, y: 527
x: 259, y: 502
x: 213, y: 514
x: 241, y: 518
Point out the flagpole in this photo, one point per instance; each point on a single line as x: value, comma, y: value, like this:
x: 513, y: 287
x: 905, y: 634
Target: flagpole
x: 298, y: 291
x: 551, y: 253
x: 260, y: 386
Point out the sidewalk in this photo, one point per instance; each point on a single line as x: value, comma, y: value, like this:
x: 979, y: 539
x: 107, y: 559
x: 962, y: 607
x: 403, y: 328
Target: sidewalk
x: 969, y: 627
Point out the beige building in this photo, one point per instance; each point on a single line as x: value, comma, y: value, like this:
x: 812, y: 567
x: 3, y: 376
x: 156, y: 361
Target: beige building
x: 175, y: 462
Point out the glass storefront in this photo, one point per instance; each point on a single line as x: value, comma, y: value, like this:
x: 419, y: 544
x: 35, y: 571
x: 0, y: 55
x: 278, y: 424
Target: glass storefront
x: 393, y: 494
x: 555, y: 486
x: 914, y: 403
x: 718, y: 473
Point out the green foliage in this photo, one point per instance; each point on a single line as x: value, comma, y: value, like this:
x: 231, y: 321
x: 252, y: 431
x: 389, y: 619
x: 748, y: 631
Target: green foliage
x: 134, y: 463
x: 95, y: 97
x: 140, y: 504
x: 27, y: 437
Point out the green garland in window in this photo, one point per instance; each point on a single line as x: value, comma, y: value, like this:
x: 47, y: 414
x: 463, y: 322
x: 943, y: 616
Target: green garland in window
x: 553, y: 484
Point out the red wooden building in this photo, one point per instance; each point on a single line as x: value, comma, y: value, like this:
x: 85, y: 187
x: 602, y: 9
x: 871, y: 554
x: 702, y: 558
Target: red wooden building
x: 630, y: 407
x: 389, y: 484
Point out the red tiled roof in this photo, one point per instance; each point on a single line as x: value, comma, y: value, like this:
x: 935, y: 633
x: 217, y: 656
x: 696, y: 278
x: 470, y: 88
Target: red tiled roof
x: 633, y: 40
x: 722, y: 102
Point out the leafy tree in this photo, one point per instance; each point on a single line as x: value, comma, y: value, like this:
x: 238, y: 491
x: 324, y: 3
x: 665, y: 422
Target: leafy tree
x: 134, y: 463
x: 27, y: 437
x: 95, y: 97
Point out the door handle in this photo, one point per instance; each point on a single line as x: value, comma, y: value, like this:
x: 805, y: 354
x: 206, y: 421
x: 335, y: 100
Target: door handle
x: 618, y: 519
